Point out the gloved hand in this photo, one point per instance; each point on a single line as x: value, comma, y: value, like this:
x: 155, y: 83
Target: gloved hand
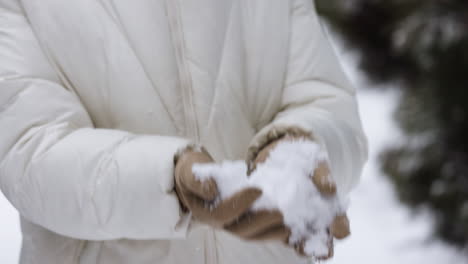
x: 276, y: 229
x: 198, y: 197
x: 232, y: 214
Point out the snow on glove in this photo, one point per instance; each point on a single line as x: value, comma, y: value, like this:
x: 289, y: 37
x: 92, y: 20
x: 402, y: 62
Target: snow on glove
x: 320, y: 177
x: 199, y: 197
x: 299, y: 204
x: 269, y: 224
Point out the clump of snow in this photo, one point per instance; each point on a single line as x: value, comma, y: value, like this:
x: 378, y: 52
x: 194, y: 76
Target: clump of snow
x: 285, y: 181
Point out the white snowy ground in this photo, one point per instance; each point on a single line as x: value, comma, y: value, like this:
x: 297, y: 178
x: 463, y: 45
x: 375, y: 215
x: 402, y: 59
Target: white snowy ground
x: 383, y: 231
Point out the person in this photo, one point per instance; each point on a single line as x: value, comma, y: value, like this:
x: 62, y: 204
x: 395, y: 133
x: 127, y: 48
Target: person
x: 104, y: 106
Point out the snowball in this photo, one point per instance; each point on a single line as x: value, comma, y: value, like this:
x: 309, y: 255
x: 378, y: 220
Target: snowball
x: 285, y: 181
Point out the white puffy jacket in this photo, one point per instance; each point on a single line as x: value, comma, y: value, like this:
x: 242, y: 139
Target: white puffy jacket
x: 96, y: 97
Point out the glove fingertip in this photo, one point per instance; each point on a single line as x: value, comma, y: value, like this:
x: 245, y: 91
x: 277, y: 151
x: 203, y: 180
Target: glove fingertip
x: 252, y: 194
x: 340, y: 227
x: 322, y: 181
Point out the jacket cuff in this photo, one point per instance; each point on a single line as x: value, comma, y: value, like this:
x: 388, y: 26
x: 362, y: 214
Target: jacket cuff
x: 191, y: 147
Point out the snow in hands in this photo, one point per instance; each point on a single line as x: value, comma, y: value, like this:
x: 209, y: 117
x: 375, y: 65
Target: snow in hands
x: 285, y: 181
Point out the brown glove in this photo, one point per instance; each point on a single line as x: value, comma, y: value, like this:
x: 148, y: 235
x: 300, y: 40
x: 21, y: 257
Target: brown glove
x: 198, y: 197
x: 274, y: 228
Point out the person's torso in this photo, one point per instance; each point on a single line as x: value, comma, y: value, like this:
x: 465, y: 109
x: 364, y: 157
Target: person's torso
x: 209, y: 70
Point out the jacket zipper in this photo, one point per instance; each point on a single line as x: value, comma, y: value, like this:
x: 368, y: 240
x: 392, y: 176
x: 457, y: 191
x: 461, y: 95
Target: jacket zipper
x: 186, y: 86
x: 185, y: 78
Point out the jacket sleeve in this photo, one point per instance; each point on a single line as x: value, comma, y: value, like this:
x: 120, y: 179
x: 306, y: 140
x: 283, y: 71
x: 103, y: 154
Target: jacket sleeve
x: 318, y: 100
x: 62, y: 173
